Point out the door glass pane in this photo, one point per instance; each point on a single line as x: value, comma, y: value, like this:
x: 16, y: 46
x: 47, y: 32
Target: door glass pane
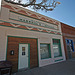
x: 23, y: 50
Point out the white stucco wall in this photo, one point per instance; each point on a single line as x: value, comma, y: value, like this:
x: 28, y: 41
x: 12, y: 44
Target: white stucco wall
x: 42, y: 38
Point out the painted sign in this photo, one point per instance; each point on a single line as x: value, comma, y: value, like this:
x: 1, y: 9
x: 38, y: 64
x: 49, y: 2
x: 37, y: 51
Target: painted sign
x: 23, y: 18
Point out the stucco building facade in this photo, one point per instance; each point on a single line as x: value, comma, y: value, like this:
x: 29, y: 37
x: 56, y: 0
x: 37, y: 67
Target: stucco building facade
x: 29, y: 39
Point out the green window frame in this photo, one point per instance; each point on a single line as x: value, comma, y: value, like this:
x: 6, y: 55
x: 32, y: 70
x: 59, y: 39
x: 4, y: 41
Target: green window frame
x: 44, y: 50
x: 57, y: 44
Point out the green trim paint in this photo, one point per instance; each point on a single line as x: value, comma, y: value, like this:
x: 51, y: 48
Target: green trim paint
x: 31, y: 30
x: 28, y: 55
x: 38, y: 52
x: 28, y: 49
x: 58, y: 60
x: 6, y: 48
x: 46, y: 26
x: 59, y: 44
x: 31, y: 27
x: 18, y: 57
x: 22, y: 37
x: 49, y: 51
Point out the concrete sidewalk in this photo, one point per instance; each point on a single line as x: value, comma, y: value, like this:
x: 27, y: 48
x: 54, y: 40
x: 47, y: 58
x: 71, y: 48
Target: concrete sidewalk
x: 61, y: 68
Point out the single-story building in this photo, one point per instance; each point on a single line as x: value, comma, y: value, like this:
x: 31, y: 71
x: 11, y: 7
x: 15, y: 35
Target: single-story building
x: 29, y: 39
x: 68, y: 33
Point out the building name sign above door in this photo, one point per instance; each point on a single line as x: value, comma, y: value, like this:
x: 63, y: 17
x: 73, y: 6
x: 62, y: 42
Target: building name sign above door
x: 22, y: 18
x: 36, y: 23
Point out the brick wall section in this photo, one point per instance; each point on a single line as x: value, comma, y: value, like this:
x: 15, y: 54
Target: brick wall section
x: 66, y: 54
x: 67, y: 29
x: 13, y: 44
x: 71, y: 31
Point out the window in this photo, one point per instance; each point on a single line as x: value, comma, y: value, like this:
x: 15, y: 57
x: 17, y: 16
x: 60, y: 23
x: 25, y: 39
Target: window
x: 23, y: 50
x: 69, y: 42
x: 57, y: 48
x: 45, y: 51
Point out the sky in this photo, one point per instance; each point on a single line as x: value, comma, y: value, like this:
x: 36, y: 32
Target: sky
x: 65, y: 12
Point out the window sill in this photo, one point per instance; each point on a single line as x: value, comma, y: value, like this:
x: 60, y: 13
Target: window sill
x: 45, y: 58
x: 57, y: 56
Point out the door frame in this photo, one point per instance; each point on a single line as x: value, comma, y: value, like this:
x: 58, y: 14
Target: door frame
x: 28, y: 55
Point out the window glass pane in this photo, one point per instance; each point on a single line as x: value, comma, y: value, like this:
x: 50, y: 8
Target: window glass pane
x: 56, y: 50
x: 56, y: 47
x: 55, y: 41
x: 44, y: 50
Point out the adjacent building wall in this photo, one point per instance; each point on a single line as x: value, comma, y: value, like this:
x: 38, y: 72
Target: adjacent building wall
x: 68, y: 32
